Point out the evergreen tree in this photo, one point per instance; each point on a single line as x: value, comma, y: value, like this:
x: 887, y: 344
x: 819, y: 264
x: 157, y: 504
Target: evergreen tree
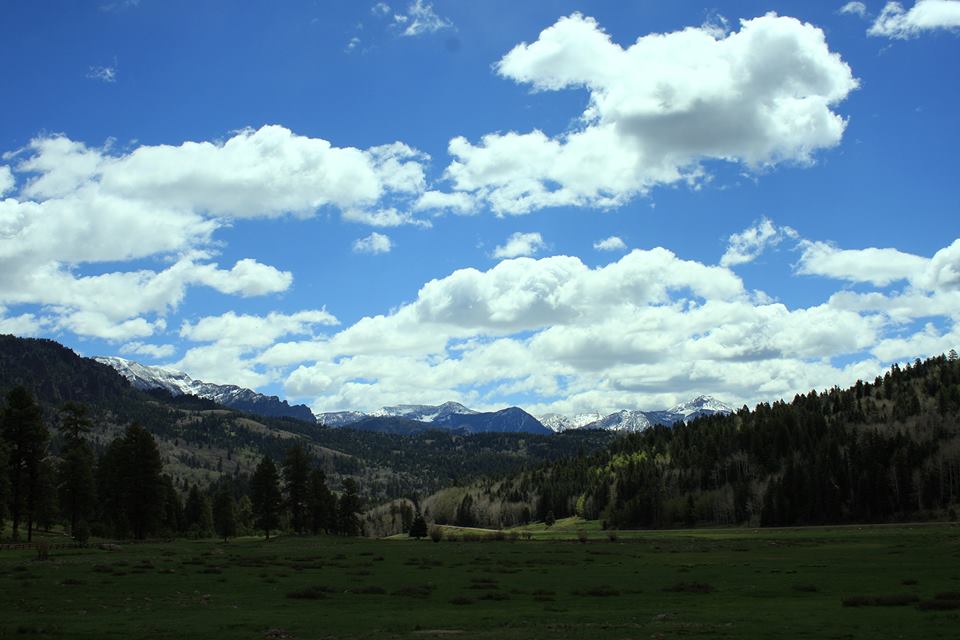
x: 265, y: 496
x: 26, y: 438
x: 348, y: 523
x: 322, y: 505
x: 75, y: 422
x: 142, y: 485
x: 244, y: 513
x: 112, y: 517
x: 172, y: 519
x: 419, y: 527
x: 296, y: 476
x: 224, y: 516
x: 47, y: 506
x: 4, y: 482
x: 193, y: 513
x: 76, y: 485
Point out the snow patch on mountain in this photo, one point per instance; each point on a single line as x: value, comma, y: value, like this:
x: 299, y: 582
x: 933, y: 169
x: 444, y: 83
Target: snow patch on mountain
x: 631, y: 421
x: 177, y: 383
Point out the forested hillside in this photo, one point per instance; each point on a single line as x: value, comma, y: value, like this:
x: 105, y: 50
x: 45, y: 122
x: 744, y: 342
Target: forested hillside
x: 880, y: 451
x: 203, y: 443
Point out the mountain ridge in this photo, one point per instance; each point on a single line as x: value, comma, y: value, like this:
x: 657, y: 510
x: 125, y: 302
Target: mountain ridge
x: 147, y: 377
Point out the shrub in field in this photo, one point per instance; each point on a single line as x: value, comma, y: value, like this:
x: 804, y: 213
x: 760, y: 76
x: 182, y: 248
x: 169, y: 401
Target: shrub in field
x: 612, y: 535
x: 496, y: 596
x: 938, y: 605
x: 371, y: 590
x: 806, y: 588
x: 894, y: 600
x: 691, y: 587
x: 461, y: 600
x: 415, y: 591
x: 436, y: 533
x: 310, y: 593
x: 582, y: 536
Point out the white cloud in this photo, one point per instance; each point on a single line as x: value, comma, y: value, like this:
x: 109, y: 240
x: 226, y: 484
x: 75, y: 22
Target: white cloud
x: 457, y: 202
x: 420, y: 18
x: 103, y: 74
x: 854, y: 8
x: 374, y: 243
x: 155, y: 351
x: 520, y: 244
x: 613, y: 243
x: 747, y: 245
x: 925, y: 15
x: 380, y: 9
x: 352, y: 44
x: 232, y: 337
x: 879, y: 267
x: 79, y: 205
x: 7, y: 181
x: 658, y: 108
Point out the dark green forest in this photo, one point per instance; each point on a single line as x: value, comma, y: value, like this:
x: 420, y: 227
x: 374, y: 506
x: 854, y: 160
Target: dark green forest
x: 881, y: 451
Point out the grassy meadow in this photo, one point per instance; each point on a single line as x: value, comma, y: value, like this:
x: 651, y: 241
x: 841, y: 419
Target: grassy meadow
x: 832, y: 582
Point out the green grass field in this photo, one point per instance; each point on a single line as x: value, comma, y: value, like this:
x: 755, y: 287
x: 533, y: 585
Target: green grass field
x: 711, y: 584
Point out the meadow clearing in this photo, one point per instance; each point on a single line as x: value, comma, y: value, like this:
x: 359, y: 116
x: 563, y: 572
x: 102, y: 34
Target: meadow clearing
x: 830, y: 582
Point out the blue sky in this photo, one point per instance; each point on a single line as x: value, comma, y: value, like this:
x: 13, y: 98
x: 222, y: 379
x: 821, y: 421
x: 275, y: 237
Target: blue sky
x: 567, y: 206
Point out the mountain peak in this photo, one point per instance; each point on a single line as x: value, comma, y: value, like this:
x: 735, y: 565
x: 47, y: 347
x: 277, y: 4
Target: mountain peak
x: 178, y: 383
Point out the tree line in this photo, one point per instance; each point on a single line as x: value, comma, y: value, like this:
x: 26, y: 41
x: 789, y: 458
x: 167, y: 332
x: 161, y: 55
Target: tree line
x: 881, y: 451
x: 124, y: 493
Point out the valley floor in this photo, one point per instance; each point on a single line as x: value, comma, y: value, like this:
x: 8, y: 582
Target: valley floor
x: 790, y: 583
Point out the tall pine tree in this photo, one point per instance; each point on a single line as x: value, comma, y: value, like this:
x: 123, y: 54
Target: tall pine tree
x: 26, y: 438
x: 75, y: 479
x: 296, y: 476
x: 265, y: 495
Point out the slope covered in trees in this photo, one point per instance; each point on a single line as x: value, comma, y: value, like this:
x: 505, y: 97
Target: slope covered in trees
x: 879, y: 451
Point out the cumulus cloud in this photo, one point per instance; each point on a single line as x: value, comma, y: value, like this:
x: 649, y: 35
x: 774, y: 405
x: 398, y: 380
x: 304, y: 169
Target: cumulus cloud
x: 7, y: 181
x: 658, y: 109
x: 520, y: 244
x: 879, y: 267
x: 231, y: 338
x: 747, y: 245
x: 925, y: 15
x: 374, y: 243
x: 854, y: 8
x: 79, y: 205
x: 613, y: 243
x: 420, y: 18
x: 155, y: 351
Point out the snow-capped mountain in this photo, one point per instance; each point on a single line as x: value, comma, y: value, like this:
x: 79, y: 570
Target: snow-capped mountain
x: 177, y: 383
x: 623, y: 420
x: 423, y: 412
x: 700, y: 406
x: 628, y: 421
x: 340, y: 418
x: 558, y: 422
x: 405, y: 418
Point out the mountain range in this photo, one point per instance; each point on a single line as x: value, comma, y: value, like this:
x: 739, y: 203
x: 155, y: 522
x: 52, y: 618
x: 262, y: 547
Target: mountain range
x: 409, y: 418
x: 178, y: 383
x: 629, y: 421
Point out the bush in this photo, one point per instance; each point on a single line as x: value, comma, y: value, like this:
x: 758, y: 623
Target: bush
x: 436, y: 533
x: 895, y: 600
x: 612, y: 535
x: 582, y: 536
x: 310, y: 593
x: 460, y: 600
x: 938, y: 605
x: 691, y: 587
x: 806, y: 588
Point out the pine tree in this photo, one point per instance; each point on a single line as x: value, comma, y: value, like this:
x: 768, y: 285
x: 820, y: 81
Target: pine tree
x: 322, y: 505
x: 26, y: 438
x: 348, y: 523
x: 224, y: 516
x: 197, y: 514
x: 75, y: 480
x: 419, y: 527
x: 142, y: 486
x: 265, y: 496
x: 296, y: 475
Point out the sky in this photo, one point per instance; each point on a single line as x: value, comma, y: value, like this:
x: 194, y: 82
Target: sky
x: 568, y: 207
